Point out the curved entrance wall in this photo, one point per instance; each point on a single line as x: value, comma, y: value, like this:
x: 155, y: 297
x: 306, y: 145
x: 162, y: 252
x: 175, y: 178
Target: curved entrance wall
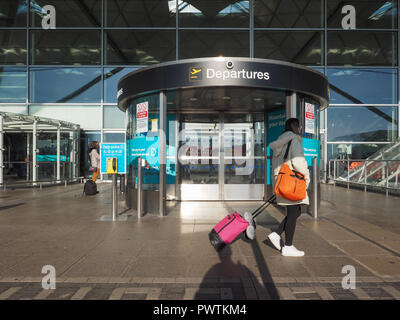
x: 215, y: 72
x: 219, y: 93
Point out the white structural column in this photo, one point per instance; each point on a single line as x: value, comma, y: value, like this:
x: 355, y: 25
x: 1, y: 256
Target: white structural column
x: 58, y: 153
x: 34, y: 151
x: 72, y: 155
x: 1, y: 150
x: 163, y: 151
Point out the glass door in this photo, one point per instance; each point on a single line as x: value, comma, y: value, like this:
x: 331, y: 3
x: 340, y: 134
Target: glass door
x: 244, y: 168
x: 234, y: 140
x: 199, y: 158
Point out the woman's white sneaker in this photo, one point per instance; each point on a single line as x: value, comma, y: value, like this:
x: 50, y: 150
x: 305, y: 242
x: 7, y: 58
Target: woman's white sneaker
x: 251, y: 230
x: 275, y: 239
x: 291, y: 251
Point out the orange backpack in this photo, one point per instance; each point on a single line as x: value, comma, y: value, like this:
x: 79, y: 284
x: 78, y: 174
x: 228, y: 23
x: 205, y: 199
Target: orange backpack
x: 290, y: 184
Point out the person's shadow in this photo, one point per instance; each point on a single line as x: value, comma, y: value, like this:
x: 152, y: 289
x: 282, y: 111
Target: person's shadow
x: 228, y: 269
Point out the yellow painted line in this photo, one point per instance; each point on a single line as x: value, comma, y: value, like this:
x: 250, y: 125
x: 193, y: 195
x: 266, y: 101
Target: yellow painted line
x: 81, y: 293
x: 9, y: 292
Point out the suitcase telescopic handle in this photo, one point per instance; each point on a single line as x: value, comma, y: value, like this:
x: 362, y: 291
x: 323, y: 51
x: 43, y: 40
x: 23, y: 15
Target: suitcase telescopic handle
x: 263, y: 206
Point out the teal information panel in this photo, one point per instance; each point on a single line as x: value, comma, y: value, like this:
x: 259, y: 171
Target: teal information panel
x: 51, y: 157
x: 311, y: 150
x: 113, y: 150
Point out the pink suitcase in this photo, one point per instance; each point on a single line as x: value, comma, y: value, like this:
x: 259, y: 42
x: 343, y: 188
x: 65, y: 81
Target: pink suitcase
x: 229, y: 228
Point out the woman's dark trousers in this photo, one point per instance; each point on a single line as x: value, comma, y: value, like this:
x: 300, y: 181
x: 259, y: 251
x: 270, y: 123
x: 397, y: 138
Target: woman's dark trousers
x: 289, y: 223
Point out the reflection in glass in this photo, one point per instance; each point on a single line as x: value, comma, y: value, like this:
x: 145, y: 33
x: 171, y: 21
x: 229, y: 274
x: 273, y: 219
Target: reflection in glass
x: 352, y: 151
x: 82, y: 13
x: 88, y: 117
x: 65, y: 85
x: 111, y: 78
x: 47, y: 155
x: 139, y: 13
x: 371, y: 14
x: 65, y: 47
x: 221, y: 13
x: 114, y: 137
x: 198, y: 155
x: 12, y: 47
x: 288, y: 14
x: 372, y: 85
x: 197, y: 44
x: 294, y: 46
x: 362, y: 48
x: 139, y: 47
x: 145, y: 143
x: 13, y: 13
x: 362, y: 123
x: 114, y: 118
x: 12, y: 84
x: 87, y: 137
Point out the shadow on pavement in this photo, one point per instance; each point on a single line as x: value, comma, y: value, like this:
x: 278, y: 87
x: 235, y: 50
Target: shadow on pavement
x: 229, y: 269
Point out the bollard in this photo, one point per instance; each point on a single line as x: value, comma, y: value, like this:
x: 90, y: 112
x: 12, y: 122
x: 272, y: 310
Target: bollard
x: 139, y: 187
x: 387, y: 178
x: 114, y: 197
x: 334, y: 172
x: 315, y: 187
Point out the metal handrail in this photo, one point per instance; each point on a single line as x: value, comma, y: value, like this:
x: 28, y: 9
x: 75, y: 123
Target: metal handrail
x: 40, y: 183
x: 364, y: 174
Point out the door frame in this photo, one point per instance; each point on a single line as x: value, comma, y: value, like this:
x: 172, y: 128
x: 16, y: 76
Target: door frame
x: 219, y: 189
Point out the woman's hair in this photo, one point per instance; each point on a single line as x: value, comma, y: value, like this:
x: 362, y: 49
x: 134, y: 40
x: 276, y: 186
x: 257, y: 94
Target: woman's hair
x: 292, y: 124
x: 93, y: 145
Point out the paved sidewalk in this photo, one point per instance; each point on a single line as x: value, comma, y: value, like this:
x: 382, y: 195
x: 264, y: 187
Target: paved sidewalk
x: 171, y: 258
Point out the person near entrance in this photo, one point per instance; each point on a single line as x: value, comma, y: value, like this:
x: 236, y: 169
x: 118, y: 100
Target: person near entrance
x: 94, y: 160
x: 296, y: 161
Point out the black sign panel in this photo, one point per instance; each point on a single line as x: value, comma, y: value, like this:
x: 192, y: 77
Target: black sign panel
x: 214, y: 72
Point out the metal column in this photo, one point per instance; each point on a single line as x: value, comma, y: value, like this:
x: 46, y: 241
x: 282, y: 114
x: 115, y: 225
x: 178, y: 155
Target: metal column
x: 139, y: 187
x: 72, y: 160
x: 163, y: 150
x: 34, y: 152
x: 315, y: 181
x: 28, y: 158
x: 221, y: 166
x: 114, y: 197
x: 291, y: 102
x: 58, y: 153
x: 1, y: 150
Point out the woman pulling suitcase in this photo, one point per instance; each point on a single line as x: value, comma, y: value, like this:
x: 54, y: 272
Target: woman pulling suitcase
x: 288, y: 149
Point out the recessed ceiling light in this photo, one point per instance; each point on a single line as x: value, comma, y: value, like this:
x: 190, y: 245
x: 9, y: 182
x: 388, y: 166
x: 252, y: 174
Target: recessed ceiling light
x: 226, y: 98
x: 193, y: 99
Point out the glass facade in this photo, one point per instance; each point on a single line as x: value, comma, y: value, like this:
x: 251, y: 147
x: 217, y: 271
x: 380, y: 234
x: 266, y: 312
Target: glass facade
x: 71, y: 73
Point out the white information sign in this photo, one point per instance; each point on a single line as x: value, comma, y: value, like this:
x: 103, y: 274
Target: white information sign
x: 142, y: 117
x: 309, y: 118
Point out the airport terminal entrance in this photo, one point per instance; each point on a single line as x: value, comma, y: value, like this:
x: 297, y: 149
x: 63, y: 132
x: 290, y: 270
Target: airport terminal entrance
x: 221, y: 157
x: 199, y: 130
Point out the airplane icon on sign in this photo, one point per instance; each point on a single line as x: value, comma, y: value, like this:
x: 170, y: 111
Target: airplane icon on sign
x: 195, y: 73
